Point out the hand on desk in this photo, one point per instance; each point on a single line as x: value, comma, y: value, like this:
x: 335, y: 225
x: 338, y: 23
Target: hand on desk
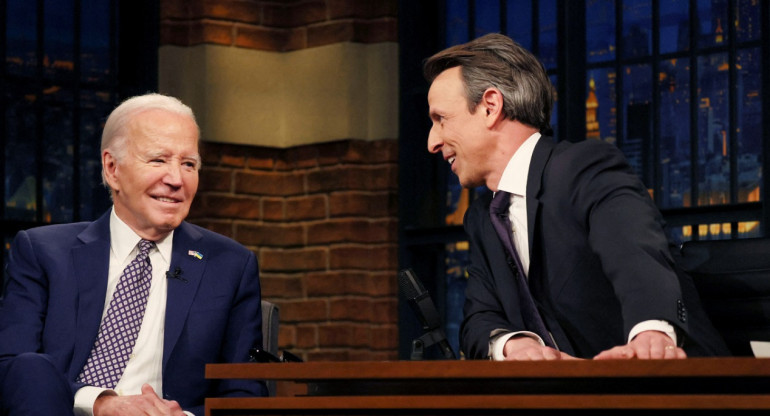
x: 648, y: 345
x: 523, y: 348
x: 147, y: 403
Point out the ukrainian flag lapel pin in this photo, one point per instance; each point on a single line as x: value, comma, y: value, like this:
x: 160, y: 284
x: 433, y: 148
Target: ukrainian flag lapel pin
x: 196, y: 254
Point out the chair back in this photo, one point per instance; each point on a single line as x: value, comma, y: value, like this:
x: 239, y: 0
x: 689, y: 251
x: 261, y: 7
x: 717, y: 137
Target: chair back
x: 733, y: 280
x: 270, y: 322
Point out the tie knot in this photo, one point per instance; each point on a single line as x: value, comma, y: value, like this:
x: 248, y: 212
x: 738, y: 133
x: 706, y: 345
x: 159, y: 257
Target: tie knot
x: 145, y: 246
x: 500, y: 202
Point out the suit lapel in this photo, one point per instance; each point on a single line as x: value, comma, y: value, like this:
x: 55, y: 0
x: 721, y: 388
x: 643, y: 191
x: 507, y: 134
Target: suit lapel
x: 540, y: 157
x: 181, y: 291
x: 91, y: 262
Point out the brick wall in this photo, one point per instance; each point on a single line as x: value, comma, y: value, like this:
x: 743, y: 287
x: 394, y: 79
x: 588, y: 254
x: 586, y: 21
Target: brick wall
x: 321, y: 218
x: 277, y: 25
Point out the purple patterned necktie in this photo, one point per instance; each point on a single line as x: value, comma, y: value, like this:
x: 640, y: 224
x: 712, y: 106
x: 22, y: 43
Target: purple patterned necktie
x: 120, y: 327
x: 498, y: 212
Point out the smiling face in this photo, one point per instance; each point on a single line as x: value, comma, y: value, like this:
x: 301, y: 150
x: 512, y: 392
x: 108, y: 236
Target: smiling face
x: 154, y: 181
x: 461, y: 136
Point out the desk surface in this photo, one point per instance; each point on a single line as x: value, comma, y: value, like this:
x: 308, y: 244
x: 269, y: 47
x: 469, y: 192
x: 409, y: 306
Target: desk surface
x: 483, y: 387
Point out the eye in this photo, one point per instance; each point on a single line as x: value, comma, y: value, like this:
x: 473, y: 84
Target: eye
x: 189, y: 165
x: 157, y: 161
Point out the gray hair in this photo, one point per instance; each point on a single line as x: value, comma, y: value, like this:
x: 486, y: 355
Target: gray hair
x: 114, y: 135
x: 497, y: 61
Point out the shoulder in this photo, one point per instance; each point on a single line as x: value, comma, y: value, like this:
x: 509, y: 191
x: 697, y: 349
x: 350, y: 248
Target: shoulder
x: 210, y: 240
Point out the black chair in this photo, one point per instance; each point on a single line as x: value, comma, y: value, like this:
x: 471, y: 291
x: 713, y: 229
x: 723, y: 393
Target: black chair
x: 270, y: 322
x: 733, y: 280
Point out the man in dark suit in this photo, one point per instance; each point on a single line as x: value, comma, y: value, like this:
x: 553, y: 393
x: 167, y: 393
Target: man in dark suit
x: 74, y: 333
x: 569, y: 259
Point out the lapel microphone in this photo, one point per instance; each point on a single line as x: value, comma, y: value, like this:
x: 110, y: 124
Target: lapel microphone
x: 176, y: 274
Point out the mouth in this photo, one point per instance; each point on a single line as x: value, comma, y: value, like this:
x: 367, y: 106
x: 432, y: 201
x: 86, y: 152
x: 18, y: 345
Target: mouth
x: 166, y: 199
x: 451, y: 160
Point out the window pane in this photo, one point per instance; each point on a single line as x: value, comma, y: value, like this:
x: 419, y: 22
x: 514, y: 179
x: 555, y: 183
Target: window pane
x: 637, y: 117
x: 748, y: 25
x: 600, y: 30
x: 713, y: 128
x: 456, y: 22
x: 457, y: 200
x: 21, y: 35
x: 637, y: 28
x: 601, y: 114
x: 674, y: 26
x: 519, y: 22
x: 712, y: 23
x: 548, y: 42
x: 58, y: 142
x: 487, y: 17
x: 749, y: 229
x: 749, y: 128
x: 94, y: 197
x: 59, y: 36
x: 95, y: 40
x: 675, y: 181
x: 20, y: 151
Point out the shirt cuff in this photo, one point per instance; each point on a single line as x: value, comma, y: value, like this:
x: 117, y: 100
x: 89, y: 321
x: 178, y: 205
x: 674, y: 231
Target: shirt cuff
x: 653, y: 325
x: 498, y: 340
x: 85, y: 398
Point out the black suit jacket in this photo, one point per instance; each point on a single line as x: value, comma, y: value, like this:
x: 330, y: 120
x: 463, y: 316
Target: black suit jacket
x: 599, y: 259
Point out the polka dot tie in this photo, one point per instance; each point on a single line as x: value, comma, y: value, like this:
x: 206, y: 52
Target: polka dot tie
x: 120, y: 327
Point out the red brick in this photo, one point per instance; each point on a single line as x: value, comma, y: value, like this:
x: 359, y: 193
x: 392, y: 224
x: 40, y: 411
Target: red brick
x: 343, y: 335
x: 385, y: 337
x: 175, y: 9
x: 280, y: 287
x: 307, y: 208
x: 384, y: 311
x: 293, y: 260
x: 307, y: 336
x: 304, y: 311
x: 260, y: 38
x: 269, y: 183
x: 175, y: 33
x: 299, y: 14
x: 297, y: 39
x: 344, y: 178
x: 368, y: 355
x: 220, y: 227
x: 225, y: 206
x: 376, y: 31
x: 329, y: 33
x: 371, y: 152
x: 274, y: 235
x: 350, y: 283
x: 353, y: 231
x: 299, y: 158
x: 365, y: 204
x: 328, y: 355
x: 236, y: 10
x: 363, y: 257
x: 273, y: 209
x: 215, y: 179
x: 214, y: 32
x: 287, y: 336
x: 350, y: 309
x: 230, y: 159
x: 361, y: 9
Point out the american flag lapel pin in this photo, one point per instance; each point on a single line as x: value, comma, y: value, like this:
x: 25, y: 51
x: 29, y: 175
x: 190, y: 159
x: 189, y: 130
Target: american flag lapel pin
x: 196, y: 254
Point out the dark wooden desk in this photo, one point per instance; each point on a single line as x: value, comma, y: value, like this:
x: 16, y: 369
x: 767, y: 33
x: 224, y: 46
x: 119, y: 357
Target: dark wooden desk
x: 697, y: 385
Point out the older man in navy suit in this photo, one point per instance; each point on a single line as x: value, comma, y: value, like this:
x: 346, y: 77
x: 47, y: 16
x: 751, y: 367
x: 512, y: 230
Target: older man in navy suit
x: 120, y: 316
x: 569, y: 259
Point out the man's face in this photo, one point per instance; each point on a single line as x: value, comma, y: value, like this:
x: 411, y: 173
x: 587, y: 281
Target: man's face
x: 461, y: 136
x: 155, y: 182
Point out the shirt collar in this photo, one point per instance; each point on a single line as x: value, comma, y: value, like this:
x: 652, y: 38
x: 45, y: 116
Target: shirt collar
x: 123, y: 240
x: 514, y: 179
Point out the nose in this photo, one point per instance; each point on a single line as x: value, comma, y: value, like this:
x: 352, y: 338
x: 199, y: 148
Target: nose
x: 173, y: 176
x: 434, y: 142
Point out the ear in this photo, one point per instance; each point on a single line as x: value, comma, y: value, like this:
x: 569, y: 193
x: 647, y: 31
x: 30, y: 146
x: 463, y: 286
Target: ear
x: 492, y: 105
x: 110, y: 169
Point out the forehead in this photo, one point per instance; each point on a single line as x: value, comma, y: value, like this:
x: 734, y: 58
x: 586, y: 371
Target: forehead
x: 162, y: 126
x: 447, y: 86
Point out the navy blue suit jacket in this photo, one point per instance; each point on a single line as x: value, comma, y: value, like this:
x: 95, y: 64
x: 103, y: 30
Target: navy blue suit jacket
x: 56, y: 292
x: 599, y: 259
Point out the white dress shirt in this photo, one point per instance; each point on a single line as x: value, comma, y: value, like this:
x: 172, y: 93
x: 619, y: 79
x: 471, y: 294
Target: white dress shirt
x: 145, y: 363
x: 514, y: 181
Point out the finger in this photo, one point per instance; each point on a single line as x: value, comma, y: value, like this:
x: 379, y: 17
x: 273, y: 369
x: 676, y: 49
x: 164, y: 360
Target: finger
x: 622, y: 352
